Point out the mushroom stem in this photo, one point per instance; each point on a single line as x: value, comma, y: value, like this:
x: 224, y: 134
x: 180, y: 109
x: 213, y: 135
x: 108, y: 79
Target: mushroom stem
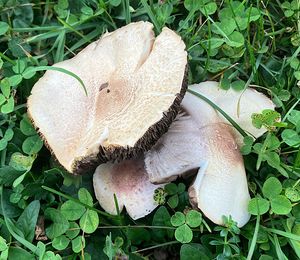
x: 220, y: 187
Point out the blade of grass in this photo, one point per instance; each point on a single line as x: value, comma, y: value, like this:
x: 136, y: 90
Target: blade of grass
x: 7, y: 59
x: 93, y: 34
x: 283, y: 233
x: 126, y: 6
x: 71, y: 28
x: 254, y: 239
x: 37, y: 28
x: 42, y: 68
x: 187, y: 19
x: 59, y: 55
x: 55, y: 33
x: 156, y: 246
x: 278, y: 249
x: 151, y: 15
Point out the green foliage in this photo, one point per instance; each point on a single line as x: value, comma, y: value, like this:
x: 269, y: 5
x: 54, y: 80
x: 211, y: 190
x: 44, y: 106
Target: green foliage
x: 229, y: 239
x: 113, y: 249
x: 239, y: 43
x: 175, y: 194
x: 268, y: 119
x: 28, y: 220
x: 59, y: 223
x: 193, y: 252
x: 272, y: 187
x: 184, y: 223
x: 258, y: 206
x: 271, y: 190
x: 72, y: 210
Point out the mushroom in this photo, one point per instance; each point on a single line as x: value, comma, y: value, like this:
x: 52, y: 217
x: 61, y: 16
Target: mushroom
x: 135, y: 83
x: 203, y: 138
x: 199, y: 137
x: 129, y: 181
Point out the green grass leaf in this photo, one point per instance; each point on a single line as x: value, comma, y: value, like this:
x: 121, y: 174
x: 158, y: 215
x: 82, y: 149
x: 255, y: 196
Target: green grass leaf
x: 28, y: 219
x: 42, y: 68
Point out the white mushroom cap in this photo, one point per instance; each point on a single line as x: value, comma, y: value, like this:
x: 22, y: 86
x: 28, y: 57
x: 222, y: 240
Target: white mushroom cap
x: 129, y: 181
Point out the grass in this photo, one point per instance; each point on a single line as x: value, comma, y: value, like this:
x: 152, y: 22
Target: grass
x: 241, y: 44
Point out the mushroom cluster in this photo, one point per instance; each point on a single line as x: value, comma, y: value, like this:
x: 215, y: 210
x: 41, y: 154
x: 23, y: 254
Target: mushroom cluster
x: 135, y: 83
x: 199, y: 139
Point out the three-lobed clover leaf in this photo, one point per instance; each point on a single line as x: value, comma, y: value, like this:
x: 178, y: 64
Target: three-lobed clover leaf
x: 184, y: 223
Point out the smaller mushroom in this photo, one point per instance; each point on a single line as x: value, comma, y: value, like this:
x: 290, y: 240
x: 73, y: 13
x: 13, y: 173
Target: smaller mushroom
x: 203, y: 138
x: 129, y: 182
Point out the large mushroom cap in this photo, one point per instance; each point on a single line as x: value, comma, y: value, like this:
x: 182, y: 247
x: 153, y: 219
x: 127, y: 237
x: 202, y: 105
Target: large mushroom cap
x: 129, y: 181
x: 135, y: 83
